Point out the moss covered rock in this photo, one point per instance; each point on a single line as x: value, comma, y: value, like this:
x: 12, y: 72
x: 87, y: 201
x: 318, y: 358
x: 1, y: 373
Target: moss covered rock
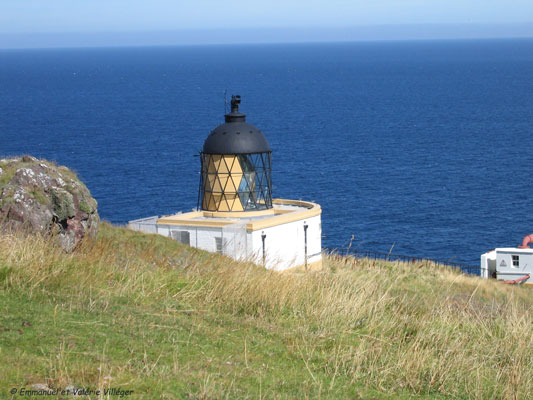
x: 40, y: 196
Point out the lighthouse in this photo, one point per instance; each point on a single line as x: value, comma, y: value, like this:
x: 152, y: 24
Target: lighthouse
x: 236, y: 214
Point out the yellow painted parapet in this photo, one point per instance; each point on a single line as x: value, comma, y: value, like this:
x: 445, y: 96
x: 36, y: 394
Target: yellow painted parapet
x: 299, y: 203
x: 271, y: 217
x: 310, y: 210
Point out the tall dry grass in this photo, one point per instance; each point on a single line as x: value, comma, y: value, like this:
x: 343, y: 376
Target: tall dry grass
x: 395, y: 327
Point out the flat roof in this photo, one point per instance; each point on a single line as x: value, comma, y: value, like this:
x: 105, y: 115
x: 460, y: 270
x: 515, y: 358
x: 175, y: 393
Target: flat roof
x: 284, y: 211
x: 513, y: 250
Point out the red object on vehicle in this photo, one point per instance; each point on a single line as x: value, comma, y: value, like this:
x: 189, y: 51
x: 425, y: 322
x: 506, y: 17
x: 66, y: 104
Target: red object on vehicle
x: 519, y: 280
x: 526, y: 241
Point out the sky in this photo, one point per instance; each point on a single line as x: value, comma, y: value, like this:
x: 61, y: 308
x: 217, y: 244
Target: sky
x: 28, y: 23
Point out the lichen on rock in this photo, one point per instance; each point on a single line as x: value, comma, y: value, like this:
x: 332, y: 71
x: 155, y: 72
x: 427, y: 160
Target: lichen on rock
x: 39, y: 196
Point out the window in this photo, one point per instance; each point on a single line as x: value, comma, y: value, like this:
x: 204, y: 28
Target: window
x: 182, y: 237
x: 516, y: 261
x: 218, y: 243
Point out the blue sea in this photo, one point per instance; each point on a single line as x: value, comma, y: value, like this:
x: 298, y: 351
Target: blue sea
x: 422, y: 147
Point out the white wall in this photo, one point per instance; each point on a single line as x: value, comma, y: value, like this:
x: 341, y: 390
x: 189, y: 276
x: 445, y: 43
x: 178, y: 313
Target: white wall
x: 505, y: 268
x: 236, y: 241
x: 200, y: 237
x: 488, y: 264
x: 285, y: 244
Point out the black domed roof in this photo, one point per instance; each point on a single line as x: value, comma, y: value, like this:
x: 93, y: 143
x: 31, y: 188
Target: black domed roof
x: 236, y: 136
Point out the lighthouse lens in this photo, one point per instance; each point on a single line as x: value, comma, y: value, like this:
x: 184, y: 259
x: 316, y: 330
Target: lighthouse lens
x: 254, y: 189
x: 238, y: 182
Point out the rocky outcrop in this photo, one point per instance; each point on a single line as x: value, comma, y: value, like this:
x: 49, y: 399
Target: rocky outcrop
x: 40, y: 196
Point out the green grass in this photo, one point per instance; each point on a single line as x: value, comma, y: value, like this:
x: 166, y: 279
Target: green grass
x: 85, y: 207
x: 145, y: 313
x: 39, y: 196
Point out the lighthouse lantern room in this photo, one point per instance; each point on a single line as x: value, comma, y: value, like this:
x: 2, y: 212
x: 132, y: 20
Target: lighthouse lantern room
x: 236, y: 166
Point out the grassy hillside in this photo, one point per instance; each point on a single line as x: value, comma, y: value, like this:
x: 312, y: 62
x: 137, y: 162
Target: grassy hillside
x: 144, y: 313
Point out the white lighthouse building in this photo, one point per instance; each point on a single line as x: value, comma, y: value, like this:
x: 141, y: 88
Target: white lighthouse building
x: 236, y: 214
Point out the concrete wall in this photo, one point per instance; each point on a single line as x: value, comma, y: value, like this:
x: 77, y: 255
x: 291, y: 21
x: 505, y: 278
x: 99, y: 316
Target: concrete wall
x: 236, y: 241
x: 505, y: 268
x: 285, y: 244
x: 488, y: 264
x: 200, y: 237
